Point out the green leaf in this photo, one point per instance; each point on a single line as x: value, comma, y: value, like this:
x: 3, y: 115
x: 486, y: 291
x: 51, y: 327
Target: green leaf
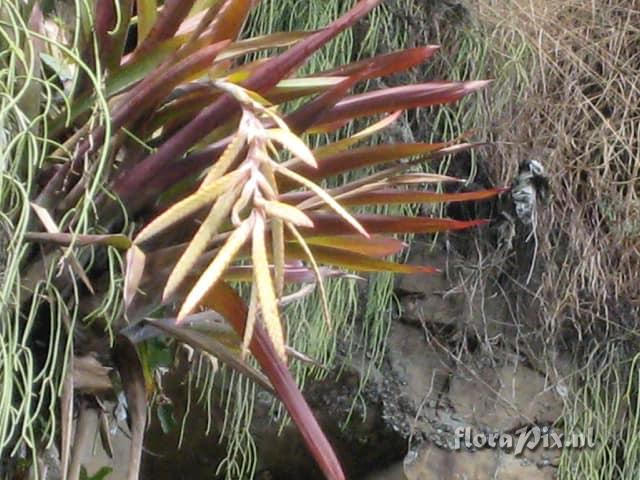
x: 147, y: 14
x: 121, y: 242
x: 101, y: 474
x: 211, y: 343
x: 167, y: 420
x: 158, y: 354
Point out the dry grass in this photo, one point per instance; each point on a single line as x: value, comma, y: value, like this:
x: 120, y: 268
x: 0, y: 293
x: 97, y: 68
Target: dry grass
x: 581, y: 118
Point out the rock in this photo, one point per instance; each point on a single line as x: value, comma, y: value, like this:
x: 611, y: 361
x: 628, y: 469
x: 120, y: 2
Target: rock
x: 432, y: 463
x: 423, y: 253
x: 422, y: 370
x: 505, y: 398
x: 434, y: 299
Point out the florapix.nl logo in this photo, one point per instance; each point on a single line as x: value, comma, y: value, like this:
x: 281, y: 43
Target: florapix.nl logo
x: 525, y: 438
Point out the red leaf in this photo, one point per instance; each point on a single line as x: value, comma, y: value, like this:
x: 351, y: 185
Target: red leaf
x: 399, y: 98
x: 223, y: 299
x: 303, y: 118
x: 379, y: 66
x: 358, y: 158
x: 150, y: 90
x: 330, y: 224
x: 388, y: 63
x: 105, y: 20
x: 266, y: 76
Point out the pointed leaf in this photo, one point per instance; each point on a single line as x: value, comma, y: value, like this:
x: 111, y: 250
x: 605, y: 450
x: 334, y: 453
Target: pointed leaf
x: 388, y: 63
x: 121, y: 242
x: 266, y: 76
x: 209, y: 227
x: 360, y: 158
x: 189, y: 205
x: 376, y: 246
x: 135, y: 104
x: 198, y: 338
x: 331, y: 224
x: 256, y: 44
x: 266, y: 293
x: 312, y: 260
x: 324, y: 196
x: 168, y: 21
x: 287, y: 213
x: 417, y: 178
x: 391, y: 196
x: 303, y: 118
x: 342, y: 144
x: 226, y: 301
x: 355, y: 261
x: 53, y: 234
x: 396, y: 98
x: 294, y: 144
x: 291, y: 274
x: 307, y: 115
x: 217, y: 267
x: 134, y: 270
x: 228, y: 22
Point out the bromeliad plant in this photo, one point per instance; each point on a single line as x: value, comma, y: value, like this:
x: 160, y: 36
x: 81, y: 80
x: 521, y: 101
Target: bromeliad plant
x: 185, y: 135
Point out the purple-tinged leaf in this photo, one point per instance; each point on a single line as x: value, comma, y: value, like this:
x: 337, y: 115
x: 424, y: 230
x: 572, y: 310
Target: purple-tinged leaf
x: 167, y: 24
x: 388, y: 63
x: 105, y: 21
x: 358, y: 158
x: 266, y: 76
x: 145, y: 94
x: 399, y: 98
